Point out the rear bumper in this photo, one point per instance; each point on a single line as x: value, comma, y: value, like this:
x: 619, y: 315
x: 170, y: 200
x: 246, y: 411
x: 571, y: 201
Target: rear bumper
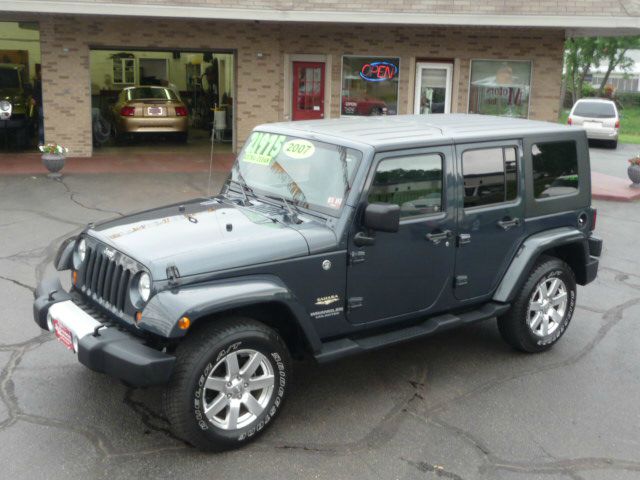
x: 602, y: 133
x: 101, y: 347
x: 595, y: 250
x: 154, y: 124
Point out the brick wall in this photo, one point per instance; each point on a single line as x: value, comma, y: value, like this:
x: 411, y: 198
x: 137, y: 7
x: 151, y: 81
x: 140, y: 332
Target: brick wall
x: 66, y: 42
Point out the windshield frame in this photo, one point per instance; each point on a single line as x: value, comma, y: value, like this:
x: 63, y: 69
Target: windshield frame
x: 303, y: 206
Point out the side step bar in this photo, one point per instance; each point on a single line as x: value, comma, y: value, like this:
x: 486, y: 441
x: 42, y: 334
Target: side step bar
x: 343, y: 347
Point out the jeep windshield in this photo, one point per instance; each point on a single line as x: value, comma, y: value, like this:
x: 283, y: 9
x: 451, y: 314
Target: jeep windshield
x: 304, y: 172
x: 9, y: 78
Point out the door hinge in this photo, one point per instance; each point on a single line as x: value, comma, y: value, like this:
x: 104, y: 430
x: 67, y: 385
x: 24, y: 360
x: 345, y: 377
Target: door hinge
x: 461, y: 280
x: 354, y: 302
x: 357, y: 256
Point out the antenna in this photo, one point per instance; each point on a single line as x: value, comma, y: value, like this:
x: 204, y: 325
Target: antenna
x: 210, y: 159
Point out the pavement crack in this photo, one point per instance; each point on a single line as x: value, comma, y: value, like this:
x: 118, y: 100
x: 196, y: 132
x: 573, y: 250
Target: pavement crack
x: 19, y: 283
x: 150, y: 419
x: 72, y: 197
x: 438, y: 470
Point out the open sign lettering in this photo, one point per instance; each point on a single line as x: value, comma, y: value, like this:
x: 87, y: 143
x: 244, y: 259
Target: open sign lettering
x: 378, y: 71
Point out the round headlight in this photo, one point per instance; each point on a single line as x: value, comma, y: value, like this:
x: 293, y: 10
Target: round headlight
x: 80, y: 254
x: 144, y: 286
x: 5, y: 105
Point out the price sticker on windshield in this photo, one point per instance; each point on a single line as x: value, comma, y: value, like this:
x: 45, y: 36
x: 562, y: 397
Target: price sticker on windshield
x: 298, y: 148
x: 263, y: 148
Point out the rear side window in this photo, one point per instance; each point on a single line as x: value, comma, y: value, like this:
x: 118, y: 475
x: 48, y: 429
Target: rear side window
x: 490, y: 176
x: 595, y: 110
x: 555, y: 169
x: 414, y: 183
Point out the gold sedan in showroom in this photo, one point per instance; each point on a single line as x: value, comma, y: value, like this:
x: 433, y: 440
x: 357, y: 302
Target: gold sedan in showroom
x: 150, y: 109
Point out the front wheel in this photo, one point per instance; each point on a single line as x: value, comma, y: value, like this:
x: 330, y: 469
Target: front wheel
x: 541, y: 312
x: 229, y: 383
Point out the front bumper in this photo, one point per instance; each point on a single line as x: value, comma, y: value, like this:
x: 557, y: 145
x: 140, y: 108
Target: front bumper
x: 15, y: 122
x: 101, y: 346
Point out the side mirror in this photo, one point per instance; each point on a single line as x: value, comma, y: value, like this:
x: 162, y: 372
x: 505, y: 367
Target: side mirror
x: 383, y: 217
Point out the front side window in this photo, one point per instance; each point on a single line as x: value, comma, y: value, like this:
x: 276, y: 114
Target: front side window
x: 414, y: 183
x: 490, y: 176
x: 370, y: 85
x: 555, y: 169
x: 309, y: 173
x: 500, y: 87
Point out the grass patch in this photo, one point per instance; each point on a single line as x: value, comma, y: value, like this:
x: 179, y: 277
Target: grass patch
x: 629, y: 124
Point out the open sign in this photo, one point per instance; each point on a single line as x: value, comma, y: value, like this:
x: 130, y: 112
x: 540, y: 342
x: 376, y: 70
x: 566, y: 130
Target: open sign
x: 378, y: 71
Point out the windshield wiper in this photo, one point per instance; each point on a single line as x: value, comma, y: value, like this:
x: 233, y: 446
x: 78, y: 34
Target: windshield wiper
x: 244, y: 187
x: 291, y: 215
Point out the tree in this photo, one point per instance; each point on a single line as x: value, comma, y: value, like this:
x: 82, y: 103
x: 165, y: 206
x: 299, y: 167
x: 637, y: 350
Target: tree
x: 614, y: 53
x: 580, y: 55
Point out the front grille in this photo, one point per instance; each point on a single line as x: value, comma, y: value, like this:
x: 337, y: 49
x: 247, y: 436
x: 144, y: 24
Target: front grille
x: 105, y: 279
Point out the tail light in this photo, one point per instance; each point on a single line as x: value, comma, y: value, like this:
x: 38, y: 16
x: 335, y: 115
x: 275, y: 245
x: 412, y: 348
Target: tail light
x: 569, y: 121
x: 617, y: 123
x: 181, y: 111
x: 127, y: 111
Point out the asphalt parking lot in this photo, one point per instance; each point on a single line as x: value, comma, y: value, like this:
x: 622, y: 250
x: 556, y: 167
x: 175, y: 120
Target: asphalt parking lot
x: 458, y: 405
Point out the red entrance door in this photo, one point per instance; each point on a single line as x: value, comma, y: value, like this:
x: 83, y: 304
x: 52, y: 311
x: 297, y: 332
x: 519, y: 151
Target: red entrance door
x: 308, y: 90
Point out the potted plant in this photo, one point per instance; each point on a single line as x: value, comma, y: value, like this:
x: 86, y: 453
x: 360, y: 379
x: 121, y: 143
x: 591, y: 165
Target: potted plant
x: 634, y: 171
x: 53, y: 157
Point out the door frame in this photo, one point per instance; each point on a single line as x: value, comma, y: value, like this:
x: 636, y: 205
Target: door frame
x: 288, y: 81
x: 448, y: 66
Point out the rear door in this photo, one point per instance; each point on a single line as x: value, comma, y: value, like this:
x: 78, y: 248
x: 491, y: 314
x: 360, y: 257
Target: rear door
x: 491, y: 220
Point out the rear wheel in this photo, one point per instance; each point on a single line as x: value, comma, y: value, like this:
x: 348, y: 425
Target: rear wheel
x: 229, y: 383
x: 541, y: 312
x: 613, y: 144
x: 181, y: 137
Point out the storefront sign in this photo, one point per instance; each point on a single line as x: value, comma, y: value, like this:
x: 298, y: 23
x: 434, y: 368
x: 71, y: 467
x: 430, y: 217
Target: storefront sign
x: 378, y: 71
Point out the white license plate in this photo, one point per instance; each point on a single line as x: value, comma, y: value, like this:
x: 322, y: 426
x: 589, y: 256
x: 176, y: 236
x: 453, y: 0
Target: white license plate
x: 63, y: 334
x: 592, y: 125
x: 154, y: 111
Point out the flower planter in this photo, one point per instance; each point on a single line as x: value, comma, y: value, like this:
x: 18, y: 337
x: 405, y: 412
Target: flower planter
x: 634, y: 175
x: 53, y: 162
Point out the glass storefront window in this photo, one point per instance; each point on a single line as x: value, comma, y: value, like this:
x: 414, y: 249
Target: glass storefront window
x: 370, y: 85
x: 500, y: 87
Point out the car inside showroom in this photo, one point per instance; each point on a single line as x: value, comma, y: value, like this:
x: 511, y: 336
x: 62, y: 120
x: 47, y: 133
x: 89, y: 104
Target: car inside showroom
x: 168, y: 100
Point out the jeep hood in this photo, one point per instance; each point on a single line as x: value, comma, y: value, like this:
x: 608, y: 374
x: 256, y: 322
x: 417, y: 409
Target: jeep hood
x: 201, y: 236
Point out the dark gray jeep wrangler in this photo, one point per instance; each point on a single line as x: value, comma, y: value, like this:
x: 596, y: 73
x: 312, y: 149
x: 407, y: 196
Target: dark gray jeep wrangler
x: 330, y: 238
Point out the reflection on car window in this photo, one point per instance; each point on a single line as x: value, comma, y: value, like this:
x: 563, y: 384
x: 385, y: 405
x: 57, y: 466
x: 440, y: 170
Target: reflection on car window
x: 414, y: 183
x: 595, y: 109
x: 555, y: 169
x: 490, y: 176
x: 150, y: 93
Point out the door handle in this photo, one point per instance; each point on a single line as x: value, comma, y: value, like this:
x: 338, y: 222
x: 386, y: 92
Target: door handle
x: 436, y: 238
x: 363, y: 240
x: 507, y: 223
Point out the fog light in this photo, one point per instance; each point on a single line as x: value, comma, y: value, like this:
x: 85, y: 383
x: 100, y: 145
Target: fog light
x: 184, y: 323
x: 49, y: 322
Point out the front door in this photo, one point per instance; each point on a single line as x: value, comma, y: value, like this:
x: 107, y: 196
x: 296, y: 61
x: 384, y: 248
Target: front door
x: 491, y: 222
x: 308, y: 90
x: 407, y: 271
x: 433, y: 88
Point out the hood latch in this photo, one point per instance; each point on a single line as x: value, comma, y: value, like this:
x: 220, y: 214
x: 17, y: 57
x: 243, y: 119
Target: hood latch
x: 173, y: 274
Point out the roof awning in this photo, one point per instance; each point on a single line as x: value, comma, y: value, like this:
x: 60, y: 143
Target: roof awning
x: 575, y: 24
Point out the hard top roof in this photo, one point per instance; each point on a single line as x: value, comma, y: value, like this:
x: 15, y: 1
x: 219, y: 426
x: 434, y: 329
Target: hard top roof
x: 383, y: 132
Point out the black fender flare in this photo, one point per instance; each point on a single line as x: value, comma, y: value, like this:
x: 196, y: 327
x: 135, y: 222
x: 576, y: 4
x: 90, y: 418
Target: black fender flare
x: 529, y: 252
x: 160, y: 316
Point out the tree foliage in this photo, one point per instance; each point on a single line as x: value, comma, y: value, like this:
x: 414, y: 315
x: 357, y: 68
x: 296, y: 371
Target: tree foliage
x: 582, y: 54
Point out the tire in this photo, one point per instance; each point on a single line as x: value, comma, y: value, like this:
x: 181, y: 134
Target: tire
x: 22, y: 138
x: 205, y: 356
x: 181, y: 137
x: 613, y: 144
x: 522, y: 327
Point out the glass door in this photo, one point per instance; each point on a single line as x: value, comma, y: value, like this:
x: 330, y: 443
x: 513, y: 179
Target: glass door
x: 433, y: 88
x: 308, y: 90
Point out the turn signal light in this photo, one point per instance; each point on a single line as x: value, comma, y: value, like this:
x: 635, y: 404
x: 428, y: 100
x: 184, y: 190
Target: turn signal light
x: 181, y: 111
x: 138, y: 316
x: 617, y: 123
x: 127, y: 111
x: 569, y: 121
x: 184, y: 323
x: 74, y: 277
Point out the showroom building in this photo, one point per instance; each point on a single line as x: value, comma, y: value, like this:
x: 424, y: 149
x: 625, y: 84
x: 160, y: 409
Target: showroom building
x: 277, y: 60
